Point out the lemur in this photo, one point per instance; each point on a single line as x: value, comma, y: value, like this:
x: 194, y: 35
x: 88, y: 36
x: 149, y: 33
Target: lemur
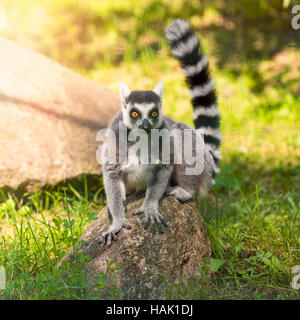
x: 143, y: 110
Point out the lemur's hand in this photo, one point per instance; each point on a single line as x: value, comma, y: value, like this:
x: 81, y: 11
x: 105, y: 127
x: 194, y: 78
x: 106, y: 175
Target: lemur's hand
x: 152, y: 214
x: 107, y: 236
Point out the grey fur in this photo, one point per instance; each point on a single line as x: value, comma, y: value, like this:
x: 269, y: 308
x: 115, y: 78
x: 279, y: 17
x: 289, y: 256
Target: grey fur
x: 185, y: 47
x: 156, y: 179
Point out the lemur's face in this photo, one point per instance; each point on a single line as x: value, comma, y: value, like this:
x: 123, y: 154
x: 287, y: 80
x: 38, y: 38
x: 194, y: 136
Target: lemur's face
x: 142, y: 109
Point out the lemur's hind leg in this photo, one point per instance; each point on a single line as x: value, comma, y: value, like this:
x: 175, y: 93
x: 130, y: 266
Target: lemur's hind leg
x: 184, y: 186
x: 179, y: 193
x: 206, y: 179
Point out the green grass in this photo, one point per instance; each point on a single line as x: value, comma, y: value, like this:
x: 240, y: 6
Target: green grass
x: 253, y: 213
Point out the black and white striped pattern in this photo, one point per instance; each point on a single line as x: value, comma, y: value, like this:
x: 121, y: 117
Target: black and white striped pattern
x: 185, y: 48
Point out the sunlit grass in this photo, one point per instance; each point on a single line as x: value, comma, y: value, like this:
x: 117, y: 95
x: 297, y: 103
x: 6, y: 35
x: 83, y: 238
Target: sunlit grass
x: 253, y: 214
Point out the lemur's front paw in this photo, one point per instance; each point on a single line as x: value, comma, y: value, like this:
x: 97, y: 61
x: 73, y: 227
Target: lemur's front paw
x: 111, y: 234
x: 152, y: 214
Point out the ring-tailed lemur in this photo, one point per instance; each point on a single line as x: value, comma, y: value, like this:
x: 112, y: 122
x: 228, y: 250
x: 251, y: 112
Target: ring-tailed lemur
x: 143, y: 109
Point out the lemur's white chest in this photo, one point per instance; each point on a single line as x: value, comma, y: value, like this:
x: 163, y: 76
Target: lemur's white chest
x: 136, y: 176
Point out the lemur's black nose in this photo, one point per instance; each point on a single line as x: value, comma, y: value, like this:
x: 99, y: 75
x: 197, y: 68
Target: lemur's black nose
x: 145, y: 124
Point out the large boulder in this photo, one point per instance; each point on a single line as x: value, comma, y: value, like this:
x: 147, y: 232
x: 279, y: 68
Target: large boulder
x: 146, y: 257
x: 49, y: 117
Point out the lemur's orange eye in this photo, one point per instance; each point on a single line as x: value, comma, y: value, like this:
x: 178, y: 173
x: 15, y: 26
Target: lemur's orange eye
x: 154, y: 114
x: 134, y: 114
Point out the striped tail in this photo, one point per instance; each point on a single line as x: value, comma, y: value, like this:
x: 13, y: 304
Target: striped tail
x: 185, y: 48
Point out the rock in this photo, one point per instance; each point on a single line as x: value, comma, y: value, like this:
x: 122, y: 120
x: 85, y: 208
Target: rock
x: 49, y: 117
x: 177, y: 253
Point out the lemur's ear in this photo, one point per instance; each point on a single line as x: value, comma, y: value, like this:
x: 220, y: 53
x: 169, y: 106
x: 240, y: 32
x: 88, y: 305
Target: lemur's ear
x: 159, y: 89
x: 124, y: 92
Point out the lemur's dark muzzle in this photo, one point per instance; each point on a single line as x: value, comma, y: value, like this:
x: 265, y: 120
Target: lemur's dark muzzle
x: 145, y: 125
